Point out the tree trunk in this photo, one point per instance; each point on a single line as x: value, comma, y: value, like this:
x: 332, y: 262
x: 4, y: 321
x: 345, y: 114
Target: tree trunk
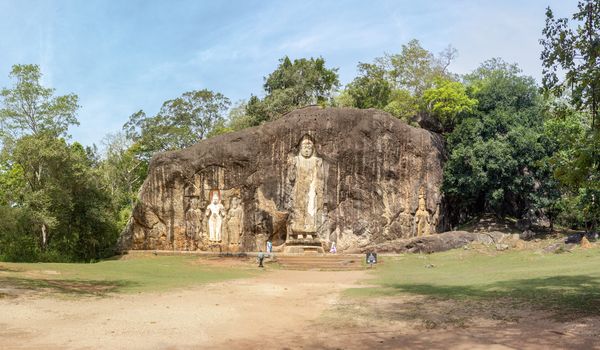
x: 44, y: 237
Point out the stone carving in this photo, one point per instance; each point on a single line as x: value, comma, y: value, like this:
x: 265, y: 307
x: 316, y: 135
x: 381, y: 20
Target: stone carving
x: 422, y: 216
x: 235, y: 221
x: 306, y: 173
x: 261, y: 242
x: 406, y: 222
x: 215, y: 213
x: 193, y: 222
x: 360, y: 184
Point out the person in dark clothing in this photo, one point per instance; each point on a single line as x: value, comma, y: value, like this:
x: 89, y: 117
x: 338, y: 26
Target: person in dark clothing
x: 260, y: 258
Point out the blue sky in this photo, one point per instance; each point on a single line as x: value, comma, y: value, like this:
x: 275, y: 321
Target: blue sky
x: 123, y: 56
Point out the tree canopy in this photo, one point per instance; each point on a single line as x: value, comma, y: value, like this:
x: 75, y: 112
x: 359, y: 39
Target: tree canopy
x: 494, y: 150
x: 55, y: 209
x: 30, y: 108
x: 291, y: 85
x: 181, y: 122
x: 571, y: 61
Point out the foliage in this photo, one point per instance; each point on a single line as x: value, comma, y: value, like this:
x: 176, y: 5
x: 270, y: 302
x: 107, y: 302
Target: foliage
x: 577, y: 53
x: 397, y: 83
x: 566, y: 130
x: 31, y: 108
x: 180, y: 123
x: 68, y: 215
x: 403, y: 105
x: 53, y: 206
x: 415, y: 69
x: 238, y: 119
x: 370, y: 89
x: 496, y: 151
x: 122, y: 171
x: 446, y: 100
x: 292, y: 85
x: 17, y: 243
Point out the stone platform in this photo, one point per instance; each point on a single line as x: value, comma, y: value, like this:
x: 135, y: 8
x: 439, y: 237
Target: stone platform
x: 320, y: 262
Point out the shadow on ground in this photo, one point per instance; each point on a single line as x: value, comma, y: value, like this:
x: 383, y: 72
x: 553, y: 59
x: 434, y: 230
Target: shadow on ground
x: 65, y: 286
x: 567, y: 296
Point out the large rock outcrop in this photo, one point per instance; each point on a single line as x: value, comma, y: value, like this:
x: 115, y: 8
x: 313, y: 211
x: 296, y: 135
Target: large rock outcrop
x: 439, y: 243
x: 313, y: 177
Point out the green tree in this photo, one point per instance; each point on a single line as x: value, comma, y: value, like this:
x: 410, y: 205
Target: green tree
x: 238, y: 118
x: 577, y: 53
x: 403, y: 105
x: 415, y: 69
x: 370, y: 89
x: 396, y: 83
x: 69, y: 213
x: 122, y: 172
x: 180, y: 123
x: 53, y: 203
x: 496, y: 151
x: 564, y: 129
x: 292, y: 85
x: 571, y: 61
x: 446, y: 100
x: 30, y: 108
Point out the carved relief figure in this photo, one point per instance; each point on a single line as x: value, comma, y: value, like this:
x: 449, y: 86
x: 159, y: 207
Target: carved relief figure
x: 306, y: 173
x: 234, y: 221
x: 215, y: 213
x: 193, y: 220
x: 406, y: 222
x: 422, y: 216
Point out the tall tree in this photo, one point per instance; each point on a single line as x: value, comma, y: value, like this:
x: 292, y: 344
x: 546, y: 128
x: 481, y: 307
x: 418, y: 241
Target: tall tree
x: 30, y: 108
x: 181, y: 122
x: 122, y: 171
x: 67, y: 209
x: 576, y: 52
x: 397, y: 82
x: 415, y: 69
x: 370, y: 89
x: 58, y: 209
x: 446, y: 100
x: 495, y: 151
x: 572, y: 49
x: 292, y: 85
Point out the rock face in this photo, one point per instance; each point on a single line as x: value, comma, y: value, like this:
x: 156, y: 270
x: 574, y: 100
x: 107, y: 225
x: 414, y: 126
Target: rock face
x: 442, y: 242
x: 313, y: 177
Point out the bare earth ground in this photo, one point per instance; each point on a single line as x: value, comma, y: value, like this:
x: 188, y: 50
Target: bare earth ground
x: 281, y: 309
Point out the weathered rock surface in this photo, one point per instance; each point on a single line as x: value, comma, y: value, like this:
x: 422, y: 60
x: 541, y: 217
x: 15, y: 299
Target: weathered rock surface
x: 441, y: 242
x: 354, y: 177
x: 428, y: 244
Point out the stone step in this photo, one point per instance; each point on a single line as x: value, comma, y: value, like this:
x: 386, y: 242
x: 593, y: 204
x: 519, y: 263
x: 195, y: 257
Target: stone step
x: 331, y: 262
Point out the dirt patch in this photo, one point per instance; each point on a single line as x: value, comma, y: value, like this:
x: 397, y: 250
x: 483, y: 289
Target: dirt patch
x: 282, y: 309
x: 417, y: 322
x: 214, y: 315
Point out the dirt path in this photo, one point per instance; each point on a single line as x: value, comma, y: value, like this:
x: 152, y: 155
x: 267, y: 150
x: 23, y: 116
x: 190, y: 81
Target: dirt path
x: 280, y: 309
x: 214, y: 315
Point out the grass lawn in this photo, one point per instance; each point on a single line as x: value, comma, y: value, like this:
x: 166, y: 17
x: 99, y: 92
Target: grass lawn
x: 127, y: 275
x: 567, y: 284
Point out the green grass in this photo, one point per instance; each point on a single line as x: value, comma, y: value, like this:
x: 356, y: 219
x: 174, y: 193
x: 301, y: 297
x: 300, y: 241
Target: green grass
x: 567, y: 284
x: 130, y: 275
